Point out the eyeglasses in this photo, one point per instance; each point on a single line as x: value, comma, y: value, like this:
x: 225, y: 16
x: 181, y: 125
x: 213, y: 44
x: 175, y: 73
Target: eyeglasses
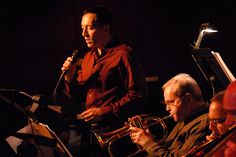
x: 170, y: 102
x: 218, y: 121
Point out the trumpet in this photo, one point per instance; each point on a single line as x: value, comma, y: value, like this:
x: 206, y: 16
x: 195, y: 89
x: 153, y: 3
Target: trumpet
x: 140, y: 121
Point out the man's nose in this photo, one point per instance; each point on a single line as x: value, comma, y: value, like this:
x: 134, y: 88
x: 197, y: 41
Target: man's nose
x: 84, y: 32
x: 212, y: 126
x: 168, y: 108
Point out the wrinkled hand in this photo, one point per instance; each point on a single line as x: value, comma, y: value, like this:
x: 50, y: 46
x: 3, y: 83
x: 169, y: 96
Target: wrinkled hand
x: 91, y: 114
x: 212, y: 136
x: 140, y: 136
x: 70, y: 68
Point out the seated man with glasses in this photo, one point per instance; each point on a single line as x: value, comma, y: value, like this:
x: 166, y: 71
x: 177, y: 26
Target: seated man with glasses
x: 225, y: 144
x: 184, y: 101
x: 217, y: 116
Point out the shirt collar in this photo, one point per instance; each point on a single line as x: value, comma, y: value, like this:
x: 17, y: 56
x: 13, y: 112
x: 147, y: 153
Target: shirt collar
x: 109, y: 47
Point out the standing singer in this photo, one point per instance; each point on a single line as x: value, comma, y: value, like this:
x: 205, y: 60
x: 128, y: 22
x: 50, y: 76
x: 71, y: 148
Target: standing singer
x: 111, y: 79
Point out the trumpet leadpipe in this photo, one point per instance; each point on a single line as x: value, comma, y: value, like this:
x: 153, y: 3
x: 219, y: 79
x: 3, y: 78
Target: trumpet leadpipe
x: 167, y: 117
x: 158, y: 120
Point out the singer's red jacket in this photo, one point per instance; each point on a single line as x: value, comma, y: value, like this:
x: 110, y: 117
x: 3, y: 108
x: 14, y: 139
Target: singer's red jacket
x: 114, y: 81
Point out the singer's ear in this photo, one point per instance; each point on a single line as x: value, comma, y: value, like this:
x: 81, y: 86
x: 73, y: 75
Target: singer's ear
x: 107, y: 28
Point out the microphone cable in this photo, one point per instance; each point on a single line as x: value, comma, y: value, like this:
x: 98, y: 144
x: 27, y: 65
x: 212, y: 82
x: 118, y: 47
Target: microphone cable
x: 74, y: 57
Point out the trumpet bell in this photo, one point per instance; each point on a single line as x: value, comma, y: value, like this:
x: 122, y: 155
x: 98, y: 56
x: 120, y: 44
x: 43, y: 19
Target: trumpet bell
x: 157, y: 127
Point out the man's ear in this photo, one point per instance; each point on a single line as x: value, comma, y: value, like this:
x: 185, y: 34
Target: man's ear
x: 107, y: 28
x: 187, y: 98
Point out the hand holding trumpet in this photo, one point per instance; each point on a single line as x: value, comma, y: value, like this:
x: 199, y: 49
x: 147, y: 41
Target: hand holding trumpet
x: 140, y: 136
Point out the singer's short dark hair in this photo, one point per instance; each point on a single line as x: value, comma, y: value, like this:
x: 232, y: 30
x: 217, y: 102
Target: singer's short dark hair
x: 104, y: 15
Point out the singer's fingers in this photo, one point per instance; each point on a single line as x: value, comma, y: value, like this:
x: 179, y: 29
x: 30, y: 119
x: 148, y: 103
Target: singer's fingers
x: 67, y: 64
x: 63, y: 69
x: 69, y: 59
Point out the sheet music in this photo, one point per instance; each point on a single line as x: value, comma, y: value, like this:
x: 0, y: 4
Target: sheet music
x: 221, y: 62
x: 39, y: 129
x: 14, y: 142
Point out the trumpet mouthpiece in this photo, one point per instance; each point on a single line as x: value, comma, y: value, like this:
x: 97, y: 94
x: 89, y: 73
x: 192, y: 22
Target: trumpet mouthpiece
x: 166, y: 117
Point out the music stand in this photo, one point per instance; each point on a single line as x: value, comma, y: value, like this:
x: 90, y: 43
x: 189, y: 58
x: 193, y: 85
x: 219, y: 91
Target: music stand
x: 38, y: 132
x: 10, y: 111
x: 213, y: 68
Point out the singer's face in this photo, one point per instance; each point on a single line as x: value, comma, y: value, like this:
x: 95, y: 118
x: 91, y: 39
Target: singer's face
x: 94, y: 35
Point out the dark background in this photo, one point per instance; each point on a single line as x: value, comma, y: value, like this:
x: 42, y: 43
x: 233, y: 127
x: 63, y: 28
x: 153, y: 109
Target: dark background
x: 36, y: 36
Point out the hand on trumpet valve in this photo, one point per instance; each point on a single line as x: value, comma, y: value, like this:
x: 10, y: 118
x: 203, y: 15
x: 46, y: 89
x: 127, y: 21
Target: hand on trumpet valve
x: 140, y: 136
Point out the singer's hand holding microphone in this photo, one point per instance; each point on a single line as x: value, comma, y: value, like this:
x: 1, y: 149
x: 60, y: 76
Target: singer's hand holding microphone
x: 68, y: 72
x: 69, y: 66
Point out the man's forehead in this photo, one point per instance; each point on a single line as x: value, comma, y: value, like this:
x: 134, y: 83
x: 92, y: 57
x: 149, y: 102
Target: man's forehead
x: 216, y: 115
x: 171, y: 89
x: 89, y: 19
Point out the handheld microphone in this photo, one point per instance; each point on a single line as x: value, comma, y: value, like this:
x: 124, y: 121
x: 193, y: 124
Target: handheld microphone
x: 74, y: 57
